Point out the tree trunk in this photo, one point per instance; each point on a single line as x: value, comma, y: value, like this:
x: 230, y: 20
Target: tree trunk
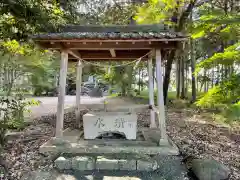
x: 154, y: 78
x: 186, y: 77
x: 213, y: 77
x: 168, y: 69
x: 194, y: 92
x: 181, y: 25
x: 139, y: 80
x: 218, y: 76
x: 205, y: 82
x: 182, y: 96
x: 5, y: 72
x: 130, y: 79
x: 222, y: 74
x: 178, y: 78
x: 142, y: 80
x: 154, y: 75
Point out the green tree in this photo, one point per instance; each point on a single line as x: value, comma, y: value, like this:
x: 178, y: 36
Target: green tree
x: 172, y: 13
x: 217, y: 33
x: 21, y: 59
x: 21, y: 18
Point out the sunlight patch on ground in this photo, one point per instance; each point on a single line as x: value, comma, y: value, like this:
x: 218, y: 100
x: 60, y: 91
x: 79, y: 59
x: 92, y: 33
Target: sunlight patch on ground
x: 113, y: 178
x: 65, y: 177
x: 195, y: 118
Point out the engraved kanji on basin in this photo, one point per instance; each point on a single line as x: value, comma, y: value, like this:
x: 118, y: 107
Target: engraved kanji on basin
x: 95, y: 124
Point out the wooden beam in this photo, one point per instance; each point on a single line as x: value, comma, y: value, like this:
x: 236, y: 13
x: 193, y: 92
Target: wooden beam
x: 113, y: 53
x: 110, y: 45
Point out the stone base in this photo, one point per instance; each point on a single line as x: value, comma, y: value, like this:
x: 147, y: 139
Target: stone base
x: 63, y: 163
x: 146, y: 165
x: 83, y: 163
x: 127, y: 165
x: 106, y: 164
x: 170, y: 168
x: 164, y: 142
x: 147, y: 144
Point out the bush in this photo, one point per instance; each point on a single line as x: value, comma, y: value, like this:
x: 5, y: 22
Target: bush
x: 232, y: 112
x: 12, y: 114
x: 222, y: 96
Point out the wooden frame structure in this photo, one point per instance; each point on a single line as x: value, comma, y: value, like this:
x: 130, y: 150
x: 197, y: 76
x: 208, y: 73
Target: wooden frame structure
x: 112, y: 43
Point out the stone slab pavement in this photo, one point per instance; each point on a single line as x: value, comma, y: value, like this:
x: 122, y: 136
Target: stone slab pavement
x: 48, y: 105
x: 171, y: 168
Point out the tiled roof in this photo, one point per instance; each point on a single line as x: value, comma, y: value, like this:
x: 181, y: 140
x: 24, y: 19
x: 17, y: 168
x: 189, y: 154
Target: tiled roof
x: 111, y: 32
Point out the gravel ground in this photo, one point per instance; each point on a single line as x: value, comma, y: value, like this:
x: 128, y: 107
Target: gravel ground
x: 22, y: 154
x: 192, y: 135
x: 198, y: 138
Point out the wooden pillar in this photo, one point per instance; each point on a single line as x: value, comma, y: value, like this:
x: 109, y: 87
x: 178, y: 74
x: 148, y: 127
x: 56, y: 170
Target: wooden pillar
x: 151, y: 92
x: 61, y: 93
x: 162, y: 123
x: 78, y: 90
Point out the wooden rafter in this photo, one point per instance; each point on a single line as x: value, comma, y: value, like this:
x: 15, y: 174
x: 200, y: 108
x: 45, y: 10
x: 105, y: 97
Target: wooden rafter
x: 75, y: 54
x: 109, y: 45
x: 113, y: 53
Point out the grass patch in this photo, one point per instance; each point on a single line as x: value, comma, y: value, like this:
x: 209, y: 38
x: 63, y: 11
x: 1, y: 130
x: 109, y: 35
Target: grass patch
x: 173, y: 102
x: 17, y: 124
x: 171, y: 95
x: 113, y: 95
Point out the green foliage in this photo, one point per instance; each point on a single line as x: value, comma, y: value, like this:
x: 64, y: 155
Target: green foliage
x: 25, y: 59
x: 216, y: 21
x: 119, y: 15
x: 216, y: 29
x: 232, y: 112
x: 229, y: 57
x: 12, y: 114
x: 159, y: 11
x: 212, y: 98
x: 223, y: 95
x: 21, y: 18
x: 103, y: 12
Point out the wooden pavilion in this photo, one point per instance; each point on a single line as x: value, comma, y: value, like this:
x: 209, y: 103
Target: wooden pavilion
x: 112, y: 43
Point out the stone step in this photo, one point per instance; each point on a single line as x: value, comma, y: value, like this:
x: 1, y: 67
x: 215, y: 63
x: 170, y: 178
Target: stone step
x: 84, y: 163
x: 76, y: 148
x: 117, y: 142
x: 101, y: 142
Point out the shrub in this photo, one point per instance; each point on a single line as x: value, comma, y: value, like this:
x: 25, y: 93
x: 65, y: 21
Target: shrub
x: 232, y: 112
x: 12, y: 114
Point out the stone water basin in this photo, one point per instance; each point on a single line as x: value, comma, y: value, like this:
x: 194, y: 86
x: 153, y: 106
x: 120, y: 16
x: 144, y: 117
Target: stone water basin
x: 97, y: 123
